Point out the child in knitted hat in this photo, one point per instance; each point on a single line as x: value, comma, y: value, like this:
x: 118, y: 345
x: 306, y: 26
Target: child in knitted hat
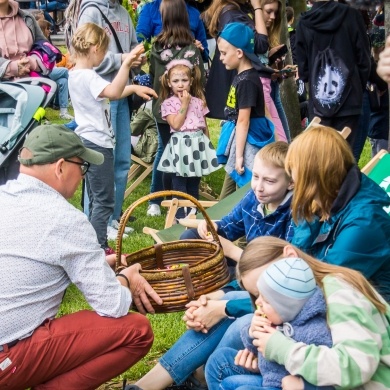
x: 290, y: 300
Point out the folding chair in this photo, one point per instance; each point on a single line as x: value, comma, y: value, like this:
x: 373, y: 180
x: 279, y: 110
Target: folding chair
x: 137, y: 166
x: 345, y: 132
x: 378, y: 170
x: 216, y: 211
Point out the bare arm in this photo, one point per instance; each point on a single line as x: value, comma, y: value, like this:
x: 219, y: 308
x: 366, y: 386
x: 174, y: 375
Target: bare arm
x: 241, y: 135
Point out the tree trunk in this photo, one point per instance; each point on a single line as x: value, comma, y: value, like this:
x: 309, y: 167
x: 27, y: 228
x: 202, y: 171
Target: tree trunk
x: 288, y: 90
x: 387, y: 27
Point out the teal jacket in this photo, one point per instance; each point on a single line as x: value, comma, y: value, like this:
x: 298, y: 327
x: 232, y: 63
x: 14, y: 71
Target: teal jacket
x: 357, y: 234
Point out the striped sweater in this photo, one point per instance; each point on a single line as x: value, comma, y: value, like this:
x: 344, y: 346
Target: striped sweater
x: 360, y: 356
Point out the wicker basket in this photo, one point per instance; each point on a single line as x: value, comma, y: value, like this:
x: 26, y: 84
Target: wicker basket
x: 200, y: 265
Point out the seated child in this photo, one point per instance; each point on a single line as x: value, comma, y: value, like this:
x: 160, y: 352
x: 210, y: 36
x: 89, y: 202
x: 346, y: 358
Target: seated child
x: 288, y: 299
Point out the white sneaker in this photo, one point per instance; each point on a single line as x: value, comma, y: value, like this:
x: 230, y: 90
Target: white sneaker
x: 66, y: 116
x: 153, y: 210
x: 113, y: 233
x: 115, y: 225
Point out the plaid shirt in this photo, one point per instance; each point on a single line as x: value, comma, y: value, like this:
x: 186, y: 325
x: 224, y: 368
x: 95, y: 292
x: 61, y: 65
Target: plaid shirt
x: 248, y: 219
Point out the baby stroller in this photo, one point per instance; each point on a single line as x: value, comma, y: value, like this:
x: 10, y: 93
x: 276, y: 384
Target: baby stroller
x: 22, y: 104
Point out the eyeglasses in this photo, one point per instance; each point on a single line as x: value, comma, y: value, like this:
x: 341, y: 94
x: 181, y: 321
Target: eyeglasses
x: 84, y: 166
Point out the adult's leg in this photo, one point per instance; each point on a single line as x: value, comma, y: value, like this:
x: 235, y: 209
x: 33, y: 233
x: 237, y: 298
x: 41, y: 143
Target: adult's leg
x: 190, y: 234
x: 185, y: 356
x: 77, y: 351
x: 100, y: 179
x: 60, y: 76
x: 362, y: 127
x: 275, y: 95
x: 232, y: 337
x: 120, y: 119
x: 377, y: 145
x: 272, y: 109
x: 220, y: 365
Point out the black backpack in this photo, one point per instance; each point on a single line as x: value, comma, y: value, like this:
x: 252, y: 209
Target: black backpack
x: 329, y: 82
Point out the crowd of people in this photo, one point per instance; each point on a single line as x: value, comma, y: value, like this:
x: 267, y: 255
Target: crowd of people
x: 308, y: 303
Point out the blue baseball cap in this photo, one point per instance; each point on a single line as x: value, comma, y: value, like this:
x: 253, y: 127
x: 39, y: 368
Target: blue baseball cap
x: 241, y: 36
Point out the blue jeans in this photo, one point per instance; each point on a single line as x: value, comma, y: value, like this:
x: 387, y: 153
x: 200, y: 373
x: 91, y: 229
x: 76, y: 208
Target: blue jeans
x: 60, y: 76
x: 100, y: 187
x: 50, y: 7
x: 275, y: 95
x: 120, y: 119
x: 223, y: 374
x: 164, y: 135
x: 193, y: 348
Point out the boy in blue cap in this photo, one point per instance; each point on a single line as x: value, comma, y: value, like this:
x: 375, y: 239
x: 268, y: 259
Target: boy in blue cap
x: 245, y: 109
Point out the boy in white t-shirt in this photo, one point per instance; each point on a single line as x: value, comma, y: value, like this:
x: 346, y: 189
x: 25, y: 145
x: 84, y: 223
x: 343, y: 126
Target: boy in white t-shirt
x: 90, y: 96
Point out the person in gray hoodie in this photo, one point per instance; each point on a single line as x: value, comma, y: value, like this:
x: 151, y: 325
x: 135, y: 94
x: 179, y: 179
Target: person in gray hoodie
x: 14, y: 47
x: 91, y: 12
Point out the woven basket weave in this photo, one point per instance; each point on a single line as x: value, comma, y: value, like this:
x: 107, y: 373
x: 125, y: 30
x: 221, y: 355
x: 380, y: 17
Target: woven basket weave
x: 200, y: 265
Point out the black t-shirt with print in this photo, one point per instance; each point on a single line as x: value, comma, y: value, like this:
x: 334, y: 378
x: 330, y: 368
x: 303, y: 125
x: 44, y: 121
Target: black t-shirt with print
x: 246, y: 91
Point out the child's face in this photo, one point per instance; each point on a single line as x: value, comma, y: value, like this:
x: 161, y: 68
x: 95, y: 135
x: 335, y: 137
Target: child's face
x: 229, y: 54
x: 249, y: 281
x: 269, y: 183
x: 268, y: 310
x: 179, y: 81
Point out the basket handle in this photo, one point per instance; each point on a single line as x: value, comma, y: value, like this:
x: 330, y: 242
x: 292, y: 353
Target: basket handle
x: 126, y: 215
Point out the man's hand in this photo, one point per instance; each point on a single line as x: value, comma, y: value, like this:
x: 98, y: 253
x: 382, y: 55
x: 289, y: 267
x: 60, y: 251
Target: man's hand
x: 141, y: 290
x: 248, y: 360
x: 292, y: 382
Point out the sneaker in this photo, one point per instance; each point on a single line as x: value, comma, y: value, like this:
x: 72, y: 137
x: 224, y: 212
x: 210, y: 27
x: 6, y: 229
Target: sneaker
x: 66, y: 116
x: 153, y: 210
x: 113, y: 233
x: 115, y: 225
x: 109, y: 251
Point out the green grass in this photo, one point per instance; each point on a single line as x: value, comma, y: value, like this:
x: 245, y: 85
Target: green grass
x: 167, y: 327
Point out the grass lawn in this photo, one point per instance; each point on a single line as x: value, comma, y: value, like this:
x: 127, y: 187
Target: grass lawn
x: 167, y: 327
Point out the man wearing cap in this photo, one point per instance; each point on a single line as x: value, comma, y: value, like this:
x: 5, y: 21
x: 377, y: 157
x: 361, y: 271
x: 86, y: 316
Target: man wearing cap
x: 45, y: 245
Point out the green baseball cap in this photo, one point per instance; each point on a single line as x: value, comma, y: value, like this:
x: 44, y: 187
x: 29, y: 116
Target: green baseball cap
x: 49, y: 143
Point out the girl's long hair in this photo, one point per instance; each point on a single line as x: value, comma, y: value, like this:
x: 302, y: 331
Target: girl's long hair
x: 318, y: 160
x: 266, y: 249
x: 89, y: 34
x: 211, y: 15
x: 175, y: 24
x: 196, y: 89
x: 274, y: 31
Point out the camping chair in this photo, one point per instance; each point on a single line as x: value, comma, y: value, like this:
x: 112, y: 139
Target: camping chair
x: 216, y: 211
x: 317, y: 122
x: 378, y: 170
x: 137, y: 166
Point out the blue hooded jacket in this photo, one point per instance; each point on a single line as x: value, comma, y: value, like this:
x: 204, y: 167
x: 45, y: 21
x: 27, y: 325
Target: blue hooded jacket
x: 357, y: 233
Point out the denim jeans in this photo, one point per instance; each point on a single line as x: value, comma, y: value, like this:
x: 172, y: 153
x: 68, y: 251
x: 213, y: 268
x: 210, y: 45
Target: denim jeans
x: 275, y: 95
x: 164, y: 135
x: 100, y: 187
x: 193, y: 348
x: 222, y: 373
x: 120, y: 119
x: 50, y: 7
x: 60, y: 76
